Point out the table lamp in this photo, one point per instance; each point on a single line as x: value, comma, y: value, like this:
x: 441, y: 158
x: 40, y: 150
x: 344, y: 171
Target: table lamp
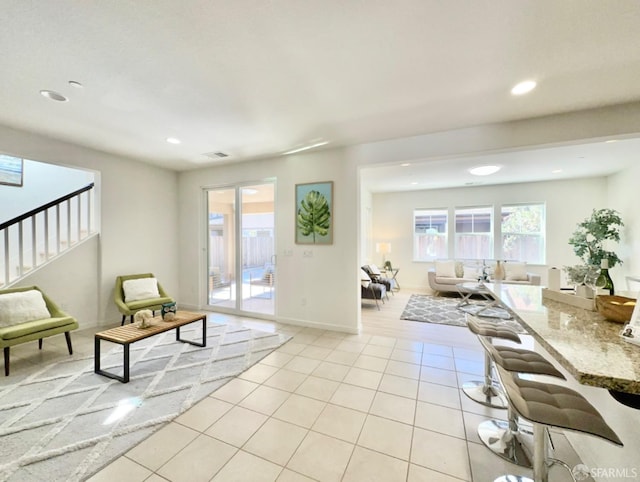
x: 384, y: 249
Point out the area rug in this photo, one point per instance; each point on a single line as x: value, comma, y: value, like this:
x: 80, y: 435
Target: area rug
x: 64, y: 422
x: 444, y: 310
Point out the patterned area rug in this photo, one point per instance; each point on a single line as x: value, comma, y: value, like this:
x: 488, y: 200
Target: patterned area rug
x: 64, y: 422
x: 444, y: 310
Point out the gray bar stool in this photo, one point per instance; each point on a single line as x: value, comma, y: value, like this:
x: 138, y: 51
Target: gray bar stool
x: 512, y: 439
x: 487, y: 392
x: 548, y: 405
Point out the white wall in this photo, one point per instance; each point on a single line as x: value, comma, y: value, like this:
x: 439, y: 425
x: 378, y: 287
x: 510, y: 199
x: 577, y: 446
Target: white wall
x: 321, y: 290
x: 70, y: 284
x: 138, y: 204
x: 367, y: 245
x: 393, y: 217
x: 622, y: 189
x: 41, y: 183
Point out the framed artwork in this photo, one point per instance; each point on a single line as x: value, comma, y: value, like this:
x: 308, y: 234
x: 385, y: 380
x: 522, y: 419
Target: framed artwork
x: 10, y: 170
x: 314, y: 213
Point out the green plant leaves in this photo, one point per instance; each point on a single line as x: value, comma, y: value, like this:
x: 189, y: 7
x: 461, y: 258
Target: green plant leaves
x: 588, y: 239
x: 314, y: 215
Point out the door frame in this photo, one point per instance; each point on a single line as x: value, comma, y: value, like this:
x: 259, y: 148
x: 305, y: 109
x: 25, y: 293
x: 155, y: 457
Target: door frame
x: 205, y: 259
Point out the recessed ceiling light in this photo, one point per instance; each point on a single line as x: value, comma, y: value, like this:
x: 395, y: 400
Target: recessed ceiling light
x: 173, y: 140
x: 50, y: 94
x: 610, y: 141
x: 304, y: 148
x: 524, y: 87
x: 76, y: 84
x: 556, y: 171
x: 484, y: 170
x: 405, y: 164
x: 414, y: 183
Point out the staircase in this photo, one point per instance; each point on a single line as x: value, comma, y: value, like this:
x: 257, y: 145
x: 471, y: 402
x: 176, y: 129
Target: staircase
x: 38, y: 236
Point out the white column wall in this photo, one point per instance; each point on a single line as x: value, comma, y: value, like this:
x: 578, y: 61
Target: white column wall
x: 622, y: 189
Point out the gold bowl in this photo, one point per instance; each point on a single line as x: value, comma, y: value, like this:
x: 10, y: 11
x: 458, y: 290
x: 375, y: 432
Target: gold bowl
x: 615, y: 308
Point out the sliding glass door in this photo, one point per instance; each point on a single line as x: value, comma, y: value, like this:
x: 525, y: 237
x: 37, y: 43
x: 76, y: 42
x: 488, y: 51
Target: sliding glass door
x: 241, y: 266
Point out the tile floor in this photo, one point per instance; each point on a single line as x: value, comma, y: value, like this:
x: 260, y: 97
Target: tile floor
x: 329, y: 406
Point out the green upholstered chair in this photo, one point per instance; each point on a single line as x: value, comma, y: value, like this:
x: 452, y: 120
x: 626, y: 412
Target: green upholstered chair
x: 15, y: 334
x: 130, y: 308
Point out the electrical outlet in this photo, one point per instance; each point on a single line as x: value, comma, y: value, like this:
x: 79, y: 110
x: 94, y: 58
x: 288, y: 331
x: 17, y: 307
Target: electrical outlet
x: 307, y: 253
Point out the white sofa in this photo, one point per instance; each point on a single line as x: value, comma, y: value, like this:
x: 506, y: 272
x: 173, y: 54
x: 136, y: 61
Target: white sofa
x: 446, y: 274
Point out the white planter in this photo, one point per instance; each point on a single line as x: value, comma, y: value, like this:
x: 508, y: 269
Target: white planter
x: 584, y: 291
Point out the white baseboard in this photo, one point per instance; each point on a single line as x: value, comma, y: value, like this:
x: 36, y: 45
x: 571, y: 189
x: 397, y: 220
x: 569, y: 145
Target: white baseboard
x: 318, y: 325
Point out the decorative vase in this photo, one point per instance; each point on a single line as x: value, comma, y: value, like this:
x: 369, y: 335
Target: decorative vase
x: 498, y: 272
x: 604, y: 280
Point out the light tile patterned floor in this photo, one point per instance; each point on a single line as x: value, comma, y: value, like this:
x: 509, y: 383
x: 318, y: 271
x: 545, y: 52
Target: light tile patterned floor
x: 330, y: 406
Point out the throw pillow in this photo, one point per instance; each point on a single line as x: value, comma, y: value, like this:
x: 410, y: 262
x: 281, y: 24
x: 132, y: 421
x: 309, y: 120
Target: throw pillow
x: 515, y: 271
x: 365, y: 280
x: 445, y: 269
x: 470, y: 272
x: 459, y: 269
x: 374, y: 269
x: 140, y: 289
x: 22, y: 306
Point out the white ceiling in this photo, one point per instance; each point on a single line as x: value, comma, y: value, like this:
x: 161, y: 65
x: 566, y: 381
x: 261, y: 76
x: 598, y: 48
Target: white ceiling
x: 601, y: 158
x: 256, y: 78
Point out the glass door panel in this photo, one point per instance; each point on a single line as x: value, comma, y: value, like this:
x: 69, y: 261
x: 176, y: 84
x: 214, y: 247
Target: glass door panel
x: 257, y: 248
x: 221, y: 249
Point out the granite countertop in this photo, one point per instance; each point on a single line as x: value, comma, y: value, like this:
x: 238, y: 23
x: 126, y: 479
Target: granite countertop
x: 583, y: 341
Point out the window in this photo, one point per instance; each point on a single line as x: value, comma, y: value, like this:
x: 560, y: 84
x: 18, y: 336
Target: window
x: 523, y: 236
x: 474, y: 233
x: 429, y: 234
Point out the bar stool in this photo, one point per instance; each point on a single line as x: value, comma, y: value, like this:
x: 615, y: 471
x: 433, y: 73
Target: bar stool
x: 486, y: 391
x: 510, y: 439
x: 548, y: 405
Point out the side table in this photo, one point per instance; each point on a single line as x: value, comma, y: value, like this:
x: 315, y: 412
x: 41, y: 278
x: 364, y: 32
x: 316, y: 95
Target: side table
x: 393, y: 272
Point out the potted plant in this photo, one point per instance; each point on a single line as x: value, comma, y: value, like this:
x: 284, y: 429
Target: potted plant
x: 588, y: 244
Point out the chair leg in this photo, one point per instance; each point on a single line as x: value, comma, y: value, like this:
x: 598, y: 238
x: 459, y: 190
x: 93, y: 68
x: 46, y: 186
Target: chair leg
x: 124, y: 317
x: 6, y: 361
x: 40, y: 344
x: 131, y: 319
x: 67, y: 336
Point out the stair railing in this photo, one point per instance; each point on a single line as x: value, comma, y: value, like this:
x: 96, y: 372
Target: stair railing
x: 33, y: 238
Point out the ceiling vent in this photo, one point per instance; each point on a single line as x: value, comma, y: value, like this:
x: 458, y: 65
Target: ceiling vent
x: 216, y: 155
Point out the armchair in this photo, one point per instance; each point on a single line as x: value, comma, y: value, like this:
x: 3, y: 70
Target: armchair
x: 371, y: 290
x: 376, y: 276
x: 151, y: 302
x: 31, y: 320
x: 374, y: 291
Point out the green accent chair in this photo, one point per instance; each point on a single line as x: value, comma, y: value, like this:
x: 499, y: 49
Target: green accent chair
x: 132, y: 307
x: 59, y: 322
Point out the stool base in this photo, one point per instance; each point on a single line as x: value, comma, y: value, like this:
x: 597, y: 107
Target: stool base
x: 506, y: 443
x: 485, y: 394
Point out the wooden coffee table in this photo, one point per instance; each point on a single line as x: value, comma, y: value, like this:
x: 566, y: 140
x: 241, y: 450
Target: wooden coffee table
x: 128, y: 334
